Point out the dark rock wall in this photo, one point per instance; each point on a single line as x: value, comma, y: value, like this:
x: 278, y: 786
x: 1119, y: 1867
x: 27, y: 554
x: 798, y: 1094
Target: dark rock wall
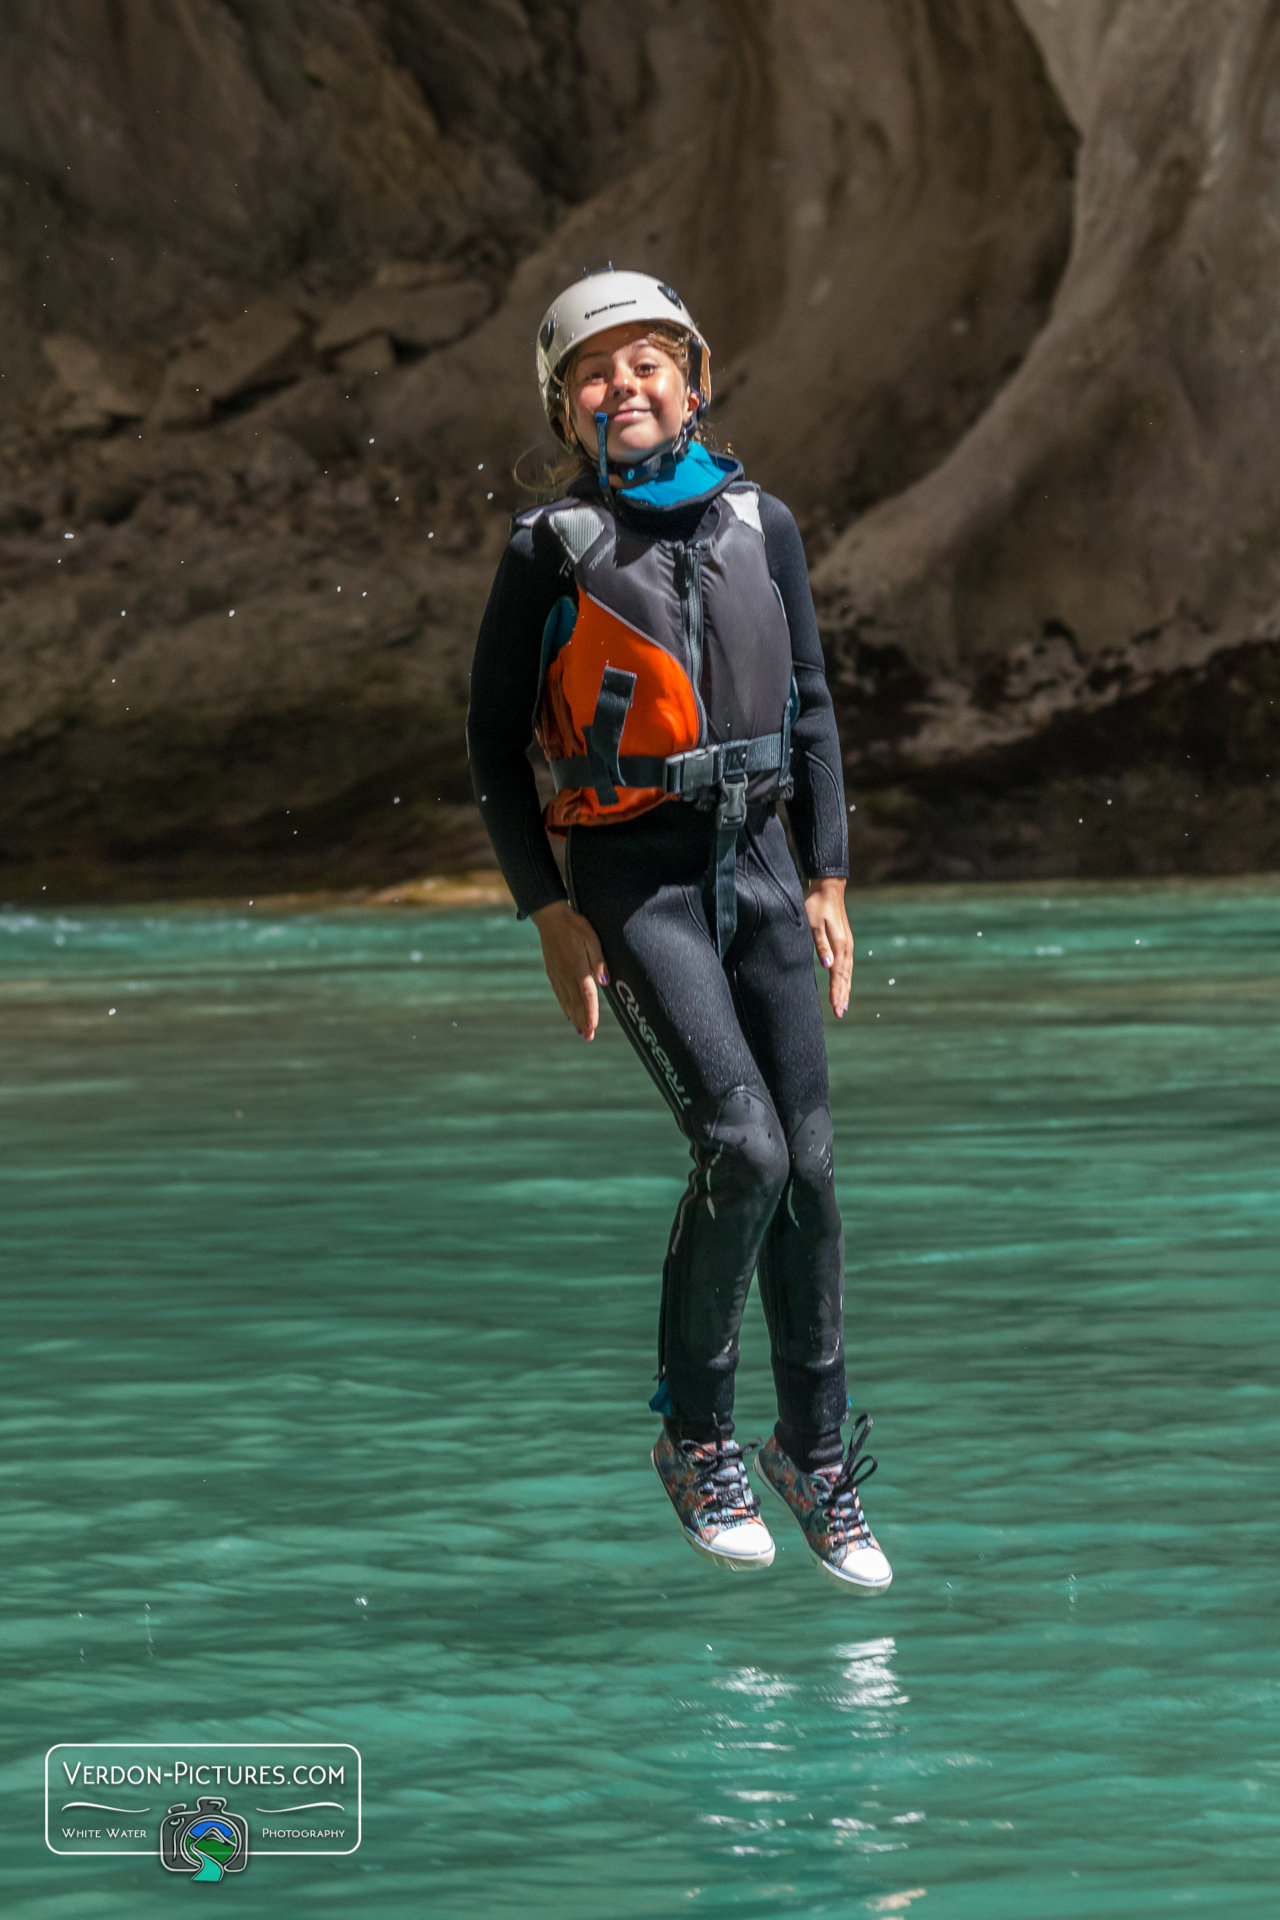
x: 1087, y: 588
x: 269, y: 277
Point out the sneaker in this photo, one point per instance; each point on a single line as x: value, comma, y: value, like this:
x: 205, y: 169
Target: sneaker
x: 715, y: 1502
x: 827, y: 1506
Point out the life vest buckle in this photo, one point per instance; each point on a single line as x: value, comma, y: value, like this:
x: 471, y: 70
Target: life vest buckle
x: 686, y: 773
x: 705, y: 770
x: 731, y: 800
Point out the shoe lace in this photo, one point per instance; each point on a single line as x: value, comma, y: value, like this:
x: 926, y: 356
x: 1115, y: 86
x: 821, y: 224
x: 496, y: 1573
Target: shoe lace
x: 842, y: 1503
x: 722, y: 1490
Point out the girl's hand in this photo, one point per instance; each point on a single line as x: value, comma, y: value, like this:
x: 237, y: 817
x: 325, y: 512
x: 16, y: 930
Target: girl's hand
x: 574, y: 963
x: 833, y: 938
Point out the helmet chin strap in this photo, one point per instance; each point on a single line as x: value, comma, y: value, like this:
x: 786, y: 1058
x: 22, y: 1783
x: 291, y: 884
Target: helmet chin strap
x: 655, y: 465
x: 602, y: 450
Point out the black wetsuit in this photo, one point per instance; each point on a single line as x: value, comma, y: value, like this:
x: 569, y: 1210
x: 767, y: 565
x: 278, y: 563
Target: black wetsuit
x: 736, y: 1046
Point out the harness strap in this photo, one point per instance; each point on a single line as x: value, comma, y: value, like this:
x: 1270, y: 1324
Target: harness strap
x: 685, y: 774
x: 723, y: 770
x: 604, y: 735
x: 720, y: 888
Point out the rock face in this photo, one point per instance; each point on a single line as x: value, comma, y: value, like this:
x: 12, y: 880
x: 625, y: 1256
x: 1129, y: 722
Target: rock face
x: 231, y: 359
x: 425, y: 314
x: 1085, y: 594
x: 987, y: 292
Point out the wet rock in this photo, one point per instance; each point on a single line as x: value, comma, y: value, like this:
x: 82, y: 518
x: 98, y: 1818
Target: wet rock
x: 85, y: 398
x: 412, y: 273
x: 376, y: 354
x: 279, y: 465
x: 413, y: 316
x: 260, y: 347
x: 323, y: 414
x: 110, y: 499
x: 17, y: 514
x: 354, y: 495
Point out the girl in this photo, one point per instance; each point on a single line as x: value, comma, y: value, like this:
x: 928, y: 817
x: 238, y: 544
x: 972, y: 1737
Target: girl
x: 655, y: 630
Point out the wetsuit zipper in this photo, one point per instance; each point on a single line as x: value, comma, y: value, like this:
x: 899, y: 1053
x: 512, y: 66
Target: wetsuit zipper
x: 689, y: 579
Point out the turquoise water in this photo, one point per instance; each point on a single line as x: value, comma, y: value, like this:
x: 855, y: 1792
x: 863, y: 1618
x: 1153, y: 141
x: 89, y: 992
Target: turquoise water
x: 330, y: 1280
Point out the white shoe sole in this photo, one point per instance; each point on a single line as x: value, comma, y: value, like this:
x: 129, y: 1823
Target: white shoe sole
x: 832, y: 1573
x: 732, y: 1562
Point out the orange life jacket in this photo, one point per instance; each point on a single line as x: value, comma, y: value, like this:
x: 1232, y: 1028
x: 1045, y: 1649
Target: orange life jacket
x: 669, y: 677
x: 672, y: 677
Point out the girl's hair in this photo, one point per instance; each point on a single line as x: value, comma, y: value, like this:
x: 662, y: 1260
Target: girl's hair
x: 556, y: 474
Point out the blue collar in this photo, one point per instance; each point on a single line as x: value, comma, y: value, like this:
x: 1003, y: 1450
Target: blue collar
x: 695, y: 476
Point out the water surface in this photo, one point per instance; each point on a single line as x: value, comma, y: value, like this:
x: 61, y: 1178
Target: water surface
x: 331, y: 1264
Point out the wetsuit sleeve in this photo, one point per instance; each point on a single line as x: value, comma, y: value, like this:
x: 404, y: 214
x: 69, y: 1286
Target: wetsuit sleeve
x: 816, y: 808
x: 504, y: 685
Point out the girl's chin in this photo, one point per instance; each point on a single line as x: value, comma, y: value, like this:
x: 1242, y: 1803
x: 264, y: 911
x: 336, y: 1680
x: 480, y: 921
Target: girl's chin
x: 635, y: 440
x: 630, y: 448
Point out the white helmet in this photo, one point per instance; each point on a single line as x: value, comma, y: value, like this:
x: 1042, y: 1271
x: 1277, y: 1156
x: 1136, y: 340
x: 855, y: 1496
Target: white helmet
x: 608, y: 298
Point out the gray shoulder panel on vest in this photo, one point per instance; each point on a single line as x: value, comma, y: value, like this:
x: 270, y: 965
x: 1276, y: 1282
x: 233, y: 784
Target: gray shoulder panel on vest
x: 577, y: 529
x: 745, y: 502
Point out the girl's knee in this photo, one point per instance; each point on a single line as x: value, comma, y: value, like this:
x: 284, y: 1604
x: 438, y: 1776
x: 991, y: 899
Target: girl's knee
x: 811, y: 1152
x: 744, y: 1147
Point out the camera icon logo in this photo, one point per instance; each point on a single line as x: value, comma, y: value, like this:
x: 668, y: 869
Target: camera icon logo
x: 205, y: 1843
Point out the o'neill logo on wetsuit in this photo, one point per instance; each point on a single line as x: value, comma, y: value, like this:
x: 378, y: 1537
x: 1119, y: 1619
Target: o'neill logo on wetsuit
x: 657, y: 1052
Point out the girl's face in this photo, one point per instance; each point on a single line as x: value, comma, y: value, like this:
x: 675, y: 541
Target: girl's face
x: 640, y: 387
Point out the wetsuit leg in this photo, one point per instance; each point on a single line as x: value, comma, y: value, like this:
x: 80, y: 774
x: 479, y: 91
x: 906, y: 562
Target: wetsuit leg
x: 640, y: 883
x: 776, y: 995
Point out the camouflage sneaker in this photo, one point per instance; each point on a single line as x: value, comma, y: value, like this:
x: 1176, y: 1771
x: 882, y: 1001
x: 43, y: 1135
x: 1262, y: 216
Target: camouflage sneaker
x: 715, y: 1502
x: 827, y: 1506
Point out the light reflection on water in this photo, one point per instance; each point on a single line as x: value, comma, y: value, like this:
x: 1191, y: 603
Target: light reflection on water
x: 330, y: 1277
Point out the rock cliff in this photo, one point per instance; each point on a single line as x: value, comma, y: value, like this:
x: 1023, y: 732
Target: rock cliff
x: 986, y: 287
